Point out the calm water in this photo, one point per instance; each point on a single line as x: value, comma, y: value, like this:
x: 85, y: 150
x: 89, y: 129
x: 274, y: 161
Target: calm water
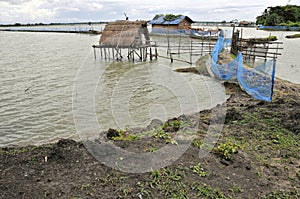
x: 46, y: 77
x: 40, y: 71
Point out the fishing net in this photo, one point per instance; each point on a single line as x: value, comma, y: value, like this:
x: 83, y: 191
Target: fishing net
x: 226, y: 71
x: 257, y: 81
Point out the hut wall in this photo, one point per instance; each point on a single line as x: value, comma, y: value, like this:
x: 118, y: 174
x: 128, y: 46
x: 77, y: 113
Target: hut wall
x: 165, y: 26
x: 184, y: 24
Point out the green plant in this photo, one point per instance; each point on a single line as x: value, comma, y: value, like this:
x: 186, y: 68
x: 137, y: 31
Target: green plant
x: 205, y: 191
x: 227, y: 149
x: 152, y: 149
x: 198, y: 143
x: 168, y: 183
x: 173, y: 125
x: 124, y: 136
x: 282, y: 194
x: 197, y: 169
x: 171, y: 17
x: 236, y: 189
x: 157, y: 16
x: 162, y: 135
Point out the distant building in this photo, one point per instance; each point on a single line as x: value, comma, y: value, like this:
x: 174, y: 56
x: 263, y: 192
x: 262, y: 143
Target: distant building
x: 163, y: 23
x: 244, y: 23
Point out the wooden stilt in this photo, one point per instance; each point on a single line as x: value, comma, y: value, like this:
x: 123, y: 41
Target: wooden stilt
x: 150, y: 53
x: 94, y: 52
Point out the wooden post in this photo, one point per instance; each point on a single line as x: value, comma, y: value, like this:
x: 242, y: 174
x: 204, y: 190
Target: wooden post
x: 267, y: 52
x: 150, y: 53
x: 179, y: 44
x: 145, y: 53
x: 191, y: 51
x: 209, y: 44
x: 132, y: 52
x: 202, y: 46
x: 155, y: 51
x: 94, y: 52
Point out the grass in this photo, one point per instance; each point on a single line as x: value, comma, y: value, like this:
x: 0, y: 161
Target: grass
x: 268, y: 134
x: 175, y: 124
x: 124, y: 136
x: 292, y: 194
x: 205, y: 191
x: 293, y: 36
x: 197, y: 169
x: 168, y: 183
x: 16, y: 151
x: 197, y: 143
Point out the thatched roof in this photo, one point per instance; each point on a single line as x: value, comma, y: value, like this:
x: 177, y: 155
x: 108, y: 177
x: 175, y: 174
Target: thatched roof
x: 124, y: 34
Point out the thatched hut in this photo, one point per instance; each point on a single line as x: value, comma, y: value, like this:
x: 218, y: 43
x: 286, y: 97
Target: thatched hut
x: 125, y: 34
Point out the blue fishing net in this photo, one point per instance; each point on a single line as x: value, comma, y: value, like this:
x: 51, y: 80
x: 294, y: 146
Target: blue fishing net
x: 258, y: 81
x: 226, y: 71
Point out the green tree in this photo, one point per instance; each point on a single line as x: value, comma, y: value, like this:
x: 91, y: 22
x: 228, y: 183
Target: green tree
x: 280, y: 15
x: 273, y: 20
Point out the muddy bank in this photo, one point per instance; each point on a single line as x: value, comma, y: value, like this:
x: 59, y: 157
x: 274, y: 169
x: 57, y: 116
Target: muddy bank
x: 257, y: 156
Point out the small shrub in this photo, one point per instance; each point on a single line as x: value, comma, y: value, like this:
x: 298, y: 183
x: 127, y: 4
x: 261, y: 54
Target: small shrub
x: 227, y: 149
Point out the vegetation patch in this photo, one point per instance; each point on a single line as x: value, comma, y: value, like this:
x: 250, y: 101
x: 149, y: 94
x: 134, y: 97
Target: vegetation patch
x: 288, y: 15
x: 293, y: 36
x: 227, y: 149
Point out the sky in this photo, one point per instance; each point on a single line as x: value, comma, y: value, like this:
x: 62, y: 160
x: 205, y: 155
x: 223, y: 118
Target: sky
x: 66, y: 11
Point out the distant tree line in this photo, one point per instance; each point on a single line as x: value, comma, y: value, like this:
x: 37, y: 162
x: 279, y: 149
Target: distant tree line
x: 288, y: 15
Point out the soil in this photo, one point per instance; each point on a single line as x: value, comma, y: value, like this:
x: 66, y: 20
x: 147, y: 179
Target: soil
x: 257, y: 156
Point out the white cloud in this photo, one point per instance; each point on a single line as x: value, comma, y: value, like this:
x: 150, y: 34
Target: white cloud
x: 46, y: 11
x: 93, y: 6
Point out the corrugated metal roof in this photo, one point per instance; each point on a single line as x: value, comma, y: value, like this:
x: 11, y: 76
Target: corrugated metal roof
x: 160, y: 20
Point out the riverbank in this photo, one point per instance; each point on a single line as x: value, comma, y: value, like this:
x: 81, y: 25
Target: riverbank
x: 257, y: 156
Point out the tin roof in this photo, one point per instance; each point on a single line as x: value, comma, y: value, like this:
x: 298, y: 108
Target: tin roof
x: 161, y: 20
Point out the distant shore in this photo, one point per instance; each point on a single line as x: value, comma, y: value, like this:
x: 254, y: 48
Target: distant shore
x: 95, y: 32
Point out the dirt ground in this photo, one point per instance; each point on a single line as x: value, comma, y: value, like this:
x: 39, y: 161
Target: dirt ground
x: 257, y: 156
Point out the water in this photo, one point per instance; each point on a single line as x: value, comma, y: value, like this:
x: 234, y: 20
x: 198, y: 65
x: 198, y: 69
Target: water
x: 39, y: 72
x: 74, y: 27
x: 43, y: 65
x: 47, y: 77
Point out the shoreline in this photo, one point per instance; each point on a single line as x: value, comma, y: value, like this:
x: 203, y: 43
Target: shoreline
x: 93, y: 32
x: 261, y: 138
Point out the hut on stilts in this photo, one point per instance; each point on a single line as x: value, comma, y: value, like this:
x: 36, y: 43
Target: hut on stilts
x: 132, y: 36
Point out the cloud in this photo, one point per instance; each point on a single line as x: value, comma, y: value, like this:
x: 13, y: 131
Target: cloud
x: 47, y: 11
